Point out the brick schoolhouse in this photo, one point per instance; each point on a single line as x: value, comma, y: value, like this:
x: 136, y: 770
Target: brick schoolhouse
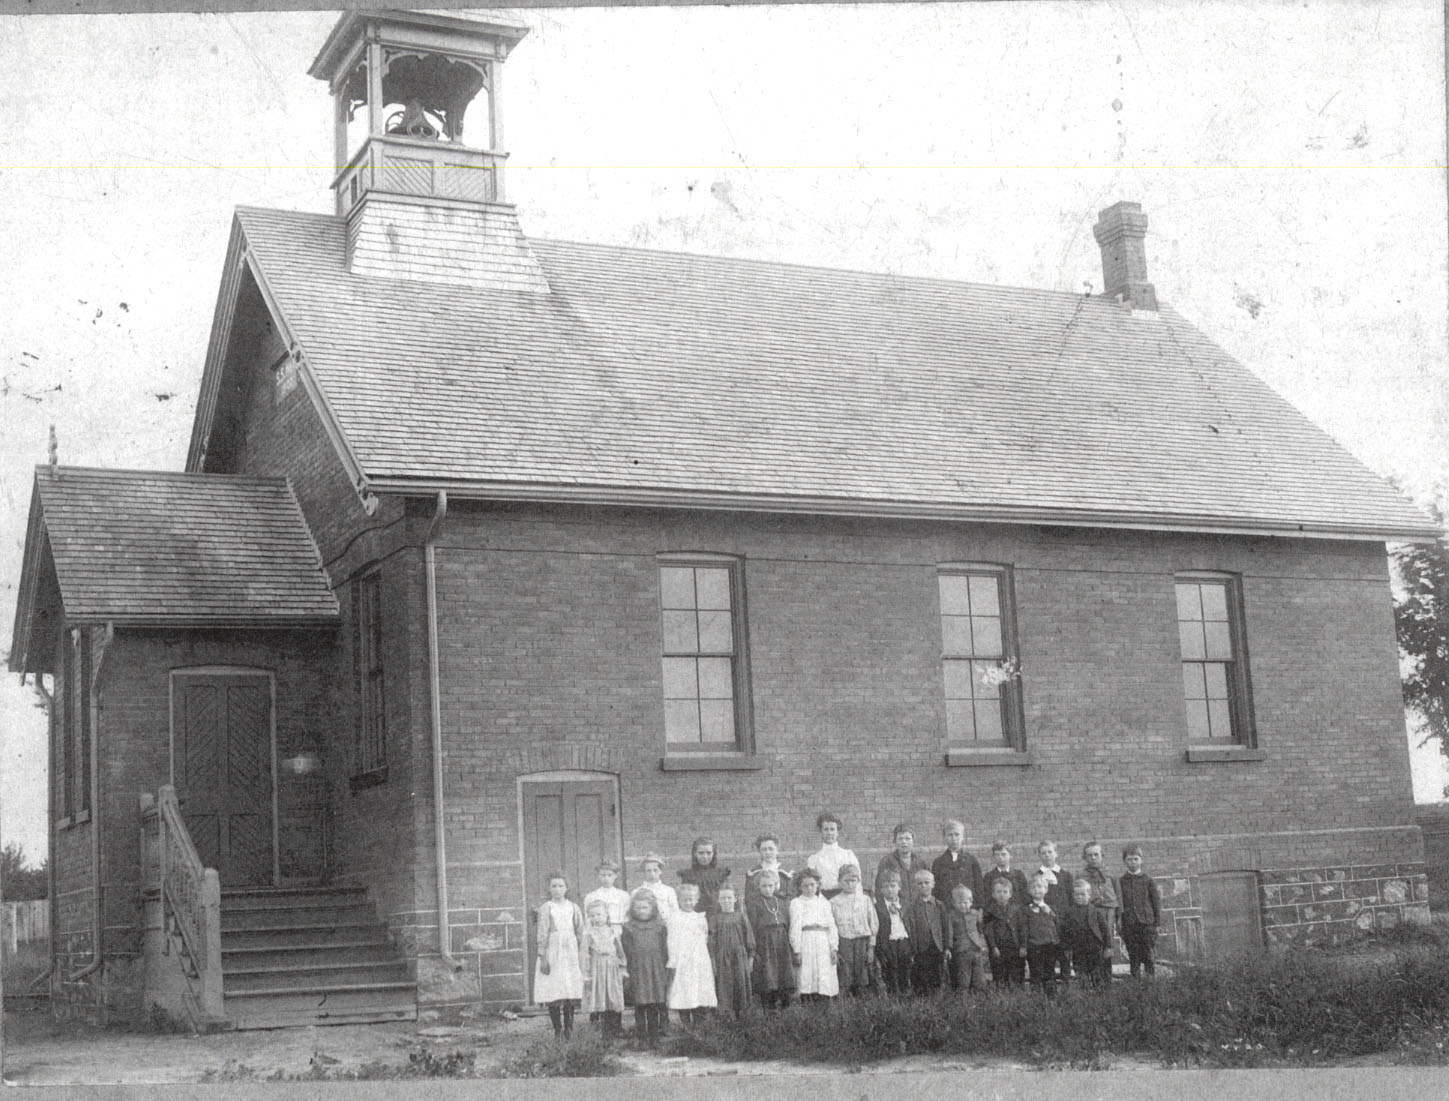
x: 494, y: 555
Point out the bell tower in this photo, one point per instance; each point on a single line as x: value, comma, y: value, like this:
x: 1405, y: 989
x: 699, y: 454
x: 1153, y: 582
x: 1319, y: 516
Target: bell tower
x: 418, y: 136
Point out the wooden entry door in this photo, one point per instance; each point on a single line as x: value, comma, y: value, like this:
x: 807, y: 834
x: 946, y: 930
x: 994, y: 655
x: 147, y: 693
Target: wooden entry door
x: 222, y: 768
x: 1231, y: 915
x: 568, y: 826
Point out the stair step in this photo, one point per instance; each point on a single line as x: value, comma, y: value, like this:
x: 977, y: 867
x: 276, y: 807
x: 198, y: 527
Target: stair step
x: 272, y: 898
x: 255, y: 957
x: 309, y: 976
x: 287, y: 1018
x: 319, y: 934
x: 360, y: 913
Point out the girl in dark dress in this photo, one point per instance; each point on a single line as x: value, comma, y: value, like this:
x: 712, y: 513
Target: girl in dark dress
x: 646, y: 949
x: 732, y: 951
x: 773, y: 976
x: 705, y: 873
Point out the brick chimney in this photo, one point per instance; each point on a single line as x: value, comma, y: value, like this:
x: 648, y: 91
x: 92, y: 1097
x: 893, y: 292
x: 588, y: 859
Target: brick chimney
x: 1120, y: 231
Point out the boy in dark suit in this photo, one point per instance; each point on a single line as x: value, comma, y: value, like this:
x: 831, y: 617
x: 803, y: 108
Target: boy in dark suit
x: 892, y: 941
x: 1003, y: 923
x: 1087, y: 936
x: 955, y: 867
x: 929, y: 929
x: 1141, y: 912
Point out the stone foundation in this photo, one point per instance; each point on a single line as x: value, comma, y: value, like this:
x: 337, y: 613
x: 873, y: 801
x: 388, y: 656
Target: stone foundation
x: 1321, y: 906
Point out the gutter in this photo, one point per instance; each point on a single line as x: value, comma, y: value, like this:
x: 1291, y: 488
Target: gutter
x: 98, y: 923
x: 644, y: 497
x: 440, y: 847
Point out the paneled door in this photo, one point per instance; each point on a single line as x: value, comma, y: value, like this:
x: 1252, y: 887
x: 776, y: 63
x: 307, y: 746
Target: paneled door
x: 222, y: 768
x: 1232, y: 921
x: 568, y: 826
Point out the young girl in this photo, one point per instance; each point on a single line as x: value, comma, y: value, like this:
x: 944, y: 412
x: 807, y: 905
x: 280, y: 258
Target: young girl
x: 705, y: 873
x: 827, y: 860
x: 557, y: 980
x: 773, y: 973
x: 665, y: 900
x: 647, y: 956
x: 768, y: 846
x: 732, y: 951
x: 604, y: 968
x: 814, y: 940
x: 691, y: 982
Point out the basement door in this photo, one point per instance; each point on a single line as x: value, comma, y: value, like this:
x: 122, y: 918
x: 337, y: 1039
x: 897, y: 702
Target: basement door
x: 222, y: 752
x: 568, y: 826
x: 1231, y: 915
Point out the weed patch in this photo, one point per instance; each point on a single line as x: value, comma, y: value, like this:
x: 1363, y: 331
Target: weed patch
x: 1299, y: 1007
x: 584, y: 1055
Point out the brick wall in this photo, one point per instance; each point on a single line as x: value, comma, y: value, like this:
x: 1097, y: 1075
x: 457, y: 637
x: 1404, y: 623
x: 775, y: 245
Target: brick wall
x: 550, y: 636
x: 282, y: 434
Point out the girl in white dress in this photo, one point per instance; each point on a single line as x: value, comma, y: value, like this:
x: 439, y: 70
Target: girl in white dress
x: 558, y: 980
x: 652, y: 869
x: 814, y: 939
x: 830, y: 857
x: 691, y: 986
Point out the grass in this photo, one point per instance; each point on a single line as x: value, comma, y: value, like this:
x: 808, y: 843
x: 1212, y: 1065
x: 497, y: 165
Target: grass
x: 30, y: 961
x: 1298, y: 1007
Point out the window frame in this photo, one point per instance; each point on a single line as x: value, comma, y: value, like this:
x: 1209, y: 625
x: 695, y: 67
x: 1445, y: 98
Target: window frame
x: 740, y: 753
x: 1012, y: 746
x: 369, y: 758
x: 1243, y: 742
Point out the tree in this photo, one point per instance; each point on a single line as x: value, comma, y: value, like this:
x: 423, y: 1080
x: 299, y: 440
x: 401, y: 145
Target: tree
x: 20, y: 881
x: 1421, y: 616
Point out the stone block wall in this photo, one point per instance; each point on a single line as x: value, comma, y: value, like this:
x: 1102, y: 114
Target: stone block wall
x: 1322, y: 906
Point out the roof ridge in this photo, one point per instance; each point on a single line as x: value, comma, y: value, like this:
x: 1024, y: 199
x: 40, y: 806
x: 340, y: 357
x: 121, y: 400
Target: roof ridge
x: 190, y: 476
x: 750, y: 261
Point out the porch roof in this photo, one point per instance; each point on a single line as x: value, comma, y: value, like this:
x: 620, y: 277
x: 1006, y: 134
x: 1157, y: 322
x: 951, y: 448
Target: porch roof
x: 166, y: 549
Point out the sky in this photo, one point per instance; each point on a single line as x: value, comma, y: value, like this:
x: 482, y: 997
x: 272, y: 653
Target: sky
x: 1290, y: 159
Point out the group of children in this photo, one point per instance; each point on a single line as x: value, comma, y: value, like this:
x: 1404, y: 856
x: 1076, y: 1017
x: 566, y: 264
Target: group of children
x: 817, y: 934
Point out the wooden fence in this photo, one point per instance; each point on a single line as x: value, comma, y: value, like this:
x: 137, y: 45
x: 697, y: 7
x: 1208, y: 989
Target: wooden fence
x: 25, y: 922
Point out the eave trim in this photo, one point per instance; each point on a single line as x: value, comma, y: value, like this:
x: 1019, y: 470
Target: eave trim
x: 637, y: 497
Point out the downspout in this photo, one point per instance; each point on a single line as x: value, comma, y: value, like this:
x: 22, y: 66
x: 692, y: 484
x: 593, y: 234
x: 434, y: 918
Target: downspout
x: 440, y: 846
x: 98, y: 923
x: 40, y: 691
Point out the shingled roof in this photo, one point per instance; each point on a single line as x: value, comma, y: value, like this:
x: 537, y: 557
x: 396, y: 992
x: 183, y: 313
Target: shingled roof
x: 157, y: 548
x: 650, y: 377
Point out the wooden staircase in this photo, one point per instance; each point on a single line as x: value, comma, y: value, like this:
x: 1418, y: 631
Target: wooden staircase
x: 310, y: 956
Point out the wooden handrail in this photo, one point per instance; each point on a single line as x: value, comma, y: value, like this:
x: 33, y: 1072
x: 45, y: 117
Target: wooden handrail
x: 190, y: 894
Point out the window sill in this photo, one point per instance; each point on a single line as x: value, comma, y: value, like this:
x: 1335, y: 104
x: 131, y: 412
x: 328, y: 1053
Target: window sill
x: 711, y: 762
x: 976, y: 758
x: 1206, y: 753
x: 365, y: 780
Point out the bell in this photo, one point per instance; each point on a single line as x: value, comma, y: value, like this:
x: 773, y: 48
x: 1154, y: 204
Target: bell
x: 414, y: 122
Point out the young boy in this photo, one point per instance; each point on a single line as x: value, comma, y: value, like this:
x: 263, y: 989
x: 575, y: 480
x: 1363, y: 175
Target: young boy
x: 1087, y: 936
x: 1059, y: 890
x: 615, y: 899
x: 903, y: 861
x: 955, y: 866
x: 858, y: 925
x: 928, y: 927
x: 1104, y: 893
x: 1141, y: 912
x: 1003, y: 923
x: 967, y: 943
x: 1001, y: 869
x: 1043, y: 939
x: 892, y: 941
